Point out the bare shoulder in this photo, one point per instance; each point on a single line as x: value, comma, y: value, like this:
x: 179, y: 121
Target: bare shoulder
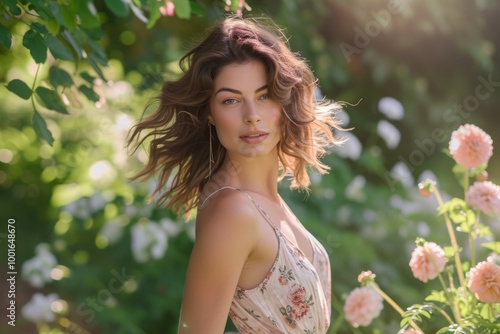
x: 228, y: 209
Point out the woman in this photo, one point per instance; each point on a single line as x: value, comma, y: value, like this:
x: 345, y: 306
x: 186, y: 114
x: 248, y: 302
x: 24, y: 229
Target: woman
x: 241, y: 117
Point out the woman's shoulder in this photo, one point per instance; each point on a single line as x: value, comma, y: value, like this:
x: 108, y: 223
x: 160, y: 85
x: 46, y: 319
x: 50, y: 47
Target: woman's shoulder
x: 226, y: 207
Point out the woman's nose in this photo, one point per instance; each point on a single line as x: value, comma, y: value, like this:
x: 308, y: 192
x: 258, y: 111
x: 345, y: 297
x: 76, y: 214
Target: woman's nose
x: 251, y: 113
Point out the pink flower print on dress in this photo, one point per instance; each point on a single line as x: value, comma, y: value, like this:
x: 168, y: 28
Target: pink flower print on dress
x: 297, y: 294
x: 485, y: 282
x: 470, y: 146
x: 285, y: 276
x: 300, y: 310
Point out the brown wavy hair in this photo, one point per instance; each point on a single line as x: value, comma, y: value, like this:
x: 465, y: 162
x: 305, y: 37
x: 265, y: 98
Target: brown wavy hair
x: 179, y: 130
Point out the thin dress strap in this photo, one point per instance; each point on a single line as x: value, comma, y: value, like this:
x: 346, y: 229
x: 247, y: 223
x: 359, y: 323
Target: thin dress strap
x: 261, y: 210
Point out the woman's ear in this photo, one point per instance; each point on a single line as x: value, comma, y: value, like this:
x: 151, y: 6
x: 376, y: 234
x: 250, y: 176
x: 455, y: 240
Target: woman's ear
x: 210, y: 120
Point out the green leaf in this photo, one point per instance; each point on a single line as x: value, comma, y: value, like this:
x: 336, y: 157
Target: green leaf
x: 53, y: 26
x: 154, y: 12
x: 197, y: 9
x: 59, y: 77
x: 494, y: 246
x: 87, y: 13
x: 68, y: 36
x: 20, y: 88
x: 51, y: 100
x: 89, y: 93
x: 41, y: 129
x: 39, y: 28
x: 12, y: 4
x: 69, y: 17
x: 58, y: 49
x: 34, y: 42
x: 5, y: 37
x: 118, y: 7
x: 87, y: 77
x: 182, y: 9
x: 96, y: 67
x: 436, y: 296
x: 98, y: 53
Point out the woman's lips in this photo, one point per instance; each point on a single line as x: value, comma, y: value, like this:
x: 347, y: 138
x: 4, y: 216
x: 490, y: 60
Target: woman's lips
x: 254, y: 137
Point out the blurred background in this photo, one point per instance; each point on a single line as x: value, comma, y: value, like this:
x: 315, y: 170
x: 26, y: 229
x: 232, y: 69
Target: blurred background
x: 92, y: 256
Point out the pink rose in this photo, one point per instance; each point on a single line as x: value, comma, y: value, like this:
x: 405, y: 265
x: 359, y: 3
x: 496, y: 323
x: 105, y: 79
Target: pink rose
x: 168, y: 9
x: 484, y: 196
x: 470, y: 146
x: 427, y: 261
x: 411, y: 331
x: 485, y: 282
x: 300, y: 310
x: 362, y: 306
x: 297, y: 294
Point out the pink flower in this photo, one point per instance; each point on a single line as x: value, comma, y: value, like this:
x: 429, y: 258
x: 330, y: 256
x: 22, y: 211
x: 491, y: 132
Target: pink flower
x: 470, y: 146
x: 168, y: 9
x: 282, y: 280
x: 485, y: 282
x: 427, y: 261
x: 362, y: 306
x: 484, y: 196
x: 297, y: 294
x: 411, y: 331
x: 366, y: 276
x: 300, y: 310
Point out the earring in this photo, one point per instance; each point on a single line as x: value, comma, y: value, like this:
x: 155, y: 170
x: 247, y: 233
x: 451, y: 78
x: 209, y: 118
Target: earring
x: 211, y: 155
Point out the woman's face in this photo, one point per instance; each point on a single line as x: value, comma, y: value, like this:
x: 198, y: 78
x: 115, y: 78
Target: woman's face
x: 246, y: 119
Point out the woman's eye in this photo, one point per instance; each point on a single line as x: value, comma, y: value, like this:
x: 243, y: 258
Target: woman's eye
x: 264, y: 96
x: 229, y: 101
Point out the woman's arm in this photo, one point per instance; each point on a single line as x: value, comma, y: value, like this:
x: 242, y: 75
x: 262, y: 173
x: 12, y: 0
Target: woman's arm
x: 225, y: 236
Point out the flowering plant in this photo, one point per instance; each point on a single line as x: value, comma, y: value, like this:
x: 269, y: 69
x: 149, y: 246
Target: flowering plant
x: 469, y: 301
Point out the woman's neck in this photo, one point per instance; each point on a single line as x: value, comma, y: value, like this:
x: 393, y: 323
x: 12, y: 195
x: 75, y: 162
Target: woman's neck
x: 250, y: 174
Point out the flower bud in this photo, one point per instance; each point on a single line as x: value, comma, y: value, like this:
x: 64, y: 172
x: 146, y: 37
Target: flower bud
x: 483, y: 176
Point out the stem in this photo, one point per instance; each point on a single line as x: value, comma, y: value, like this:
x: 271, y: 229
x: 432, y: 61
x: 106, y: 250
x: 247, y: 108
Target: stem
x: 472, y: 239
x: 443, y: 313
x: 466, y: 182
x: 454, y: 243
x: 394, y: 305
x: 33, y: 87
x: 451, y: 300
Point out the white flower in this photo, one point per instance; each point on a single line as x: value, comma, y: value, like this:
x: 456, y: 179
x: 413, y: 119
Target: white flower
x: 37, y: 269
x: 78, y: 209
x: 169, y: 226
x: 389, y: 133
x: 354, y: 189
x: 112, y: 230
x: 96, y: 202
x: 391, y: 108
x: 343, y: 117
x: 351, y: 148
x: 402, y: 173
x: 102, y: 173
x: 38, y: 309
x: 148, y: 240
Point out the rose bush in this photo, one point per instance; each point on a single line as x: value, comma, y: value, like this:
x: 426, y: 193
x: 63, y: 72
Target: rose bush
x: 469, y: 300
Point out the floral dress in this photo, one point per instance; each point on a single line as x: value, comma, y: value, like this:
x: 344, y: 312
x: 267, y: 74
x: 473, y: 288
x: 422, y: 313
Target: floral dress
x: 295, y: 295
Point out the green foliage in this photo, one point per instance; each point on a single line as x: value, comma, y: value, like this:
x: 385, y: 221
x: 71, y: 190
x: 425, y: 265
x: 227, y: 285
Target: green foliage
x: 71, y: 31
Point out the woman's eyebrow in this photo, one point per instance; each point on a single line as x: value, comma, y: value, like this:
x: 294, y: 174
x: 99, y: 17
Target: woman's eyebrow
x: 235, y: 91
